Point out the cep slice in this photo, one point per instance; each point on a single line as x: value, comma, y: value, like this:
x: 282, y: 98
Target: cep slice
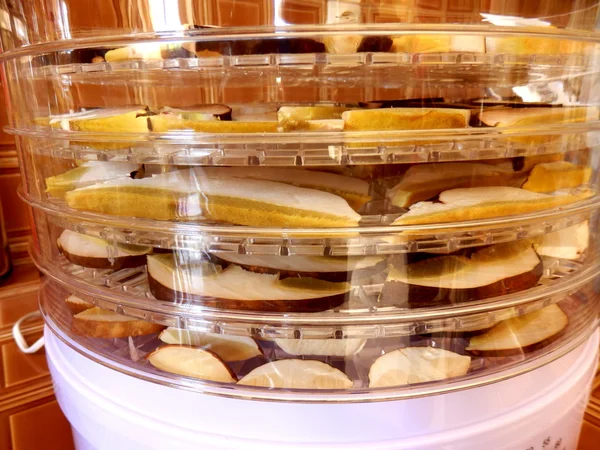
x: 172, y: 118
x: 413, y: 365
x: 100, y: 323
x: 87, y: 174
x: 405, y: 119
x: 550, y: 177
x: 191, y: 194
x: 228, y: 348
x: 297, y: 374
x: 200, y: 112
x: 438, y: 44
x: 88, y: 251
x: 191, y: 362
x: 236, y: 288
x: 325, y: 268
x: 425, y: 181
x: 568, y: 243
x: 521, y: 333
x: 311, y: 118
x: 145, y: 52
x: 114, y: 120
x: 475, y: 203
x: 353, y: 190
x: 77, y: 305
x: 492, y: 271
x: 514, y: 117
x: 310, y: 112
x: 321, y: 347
x: 162, y: 123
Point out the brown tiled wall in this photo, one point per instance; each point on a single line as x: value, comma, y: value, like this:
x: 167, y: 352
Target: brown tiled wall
x: 30, y: 418
x: 16, y: 214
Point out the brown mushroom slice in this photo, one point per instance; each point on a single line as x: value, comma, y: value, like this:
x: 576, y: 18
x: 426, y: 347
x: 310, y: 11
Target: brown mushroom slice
x: 170, y: 122
x: 353, y: 190
x: 321, y: 347
x: 77, y: 305
x: 552, y: 176
x: 322, y: 267
x: 100, y: 323
x: 413, y: 365
x: 516, y: 117
x: 89, y: 173
x: 123, y: 119
x: 199, y: 113
x: 149, y: 52
x: 438, y: 43
x: 236, y: 288
x: 190, y: 194
x: 191, y: 362
x: 568, y: 243
x: 425, y: 181
x: 89, y: 251
x: 492, y: 271
x: 475, y: 203
x: 228, y: 348
x: 405, y: 119
x: 521, y: 333
x: 297, y: 374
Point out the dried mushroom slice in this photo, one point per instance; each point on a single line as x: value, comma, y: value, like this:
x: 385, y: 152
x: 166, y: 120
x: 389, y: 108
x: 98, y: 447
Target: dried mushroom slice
x: 325, y: 268
x: 524, y: 45
x: 87, y: 174
x: 568, y: 243
x: 521, y: 333
x: 475, y: 203
x: 89, y: 251
x: 492, y: 271
x: 297, y: 374
x: 552, y: 176
x: 342, y: 45
x: 426, y: 181
x: 171, y: 122
x: 353, y: 190
x: 114, y: 120
x: 236, y: 288
x: 419, y: 43
x: 413, y: 365
x: 100, y: 323
x: 77, y: 305
x: 191, y: 362
x: 228, y: 348
x: 519, y: 117
x: 147, y: 52
x: 321, y: 347
x: 190, y: 194
x: 317, y: 112
x: 405, y: 119
x: 211, y: 111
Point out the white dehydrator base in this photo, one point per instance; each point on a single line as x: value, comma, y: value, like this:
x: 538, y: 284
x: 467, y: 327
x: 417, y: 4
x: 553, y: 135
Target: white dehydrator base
x: 109, y: 410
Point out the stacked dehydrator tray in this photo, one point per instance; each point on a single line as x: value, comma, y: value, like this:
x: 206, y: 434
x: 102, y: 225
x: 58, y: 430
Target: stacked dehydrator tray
x: 346, y: 235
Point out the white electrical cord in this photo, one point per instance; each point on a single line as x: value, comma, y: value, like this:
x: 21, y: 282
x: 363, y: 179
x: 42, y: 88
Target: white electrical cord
x: 18, y: 336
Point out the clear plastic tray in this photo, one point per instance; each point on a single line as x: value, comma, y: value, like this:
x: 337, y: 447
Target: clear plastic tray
x: 379, y: 368
x: 265, y: 288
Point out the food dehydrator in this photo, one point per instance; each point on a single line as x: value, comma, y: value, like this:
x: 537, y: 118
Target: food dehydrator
x: 323, y: 224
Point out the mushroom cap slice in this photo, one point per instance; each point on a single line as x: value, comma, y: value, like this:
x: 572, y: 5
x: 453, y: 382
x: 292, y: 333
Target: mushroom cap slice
x: 416, y: 365
x: 297, y: 374
x: 191, y: 362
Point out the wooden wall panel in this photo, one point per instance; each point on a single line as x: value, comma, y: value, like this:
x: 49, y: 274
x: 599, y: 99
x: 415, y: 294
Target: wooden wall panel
x: 241, y: 12
x: 304, y: 11
x: 15, y: 211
